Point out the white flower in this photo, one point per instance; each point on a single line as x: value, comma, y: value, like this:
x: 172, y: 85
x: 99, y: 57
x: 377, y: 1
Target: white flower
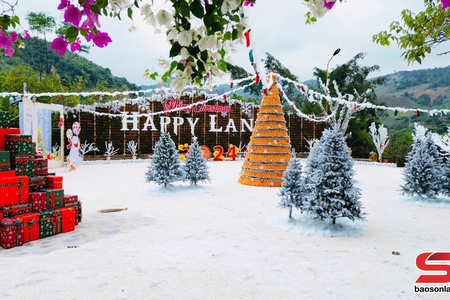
x: 118, y: 5
x: 172, y: 34
x: 132, y: 28
x: 229, y: 5
x: 164, y: 17
x: 217, y: 72
x: 179, y: 83
x: 163, y: 63
x: 146, y: 9
x: 151, y: 19
x: 185, y: 38
x: 184, y: 53
x: 206, y: 42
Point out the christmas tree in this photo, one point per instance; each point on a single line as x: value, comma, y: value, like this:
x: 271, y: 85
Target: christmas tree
x: 165, y: 166
x: 423, y: 170
x: 269, y: 149
x: 292, y: 188
x: 331, y: 190
x: 195, y: 166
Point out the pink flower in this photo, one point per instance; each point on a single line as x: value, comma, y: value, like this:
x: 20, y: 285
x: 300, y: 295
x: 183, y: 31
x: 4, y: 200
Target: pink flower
x: 75, y: 46
x: 5, y: 41
x: 445, y: 4
x: 328, y: 4
x: 101, y: 39
x: 25, y: 34
x: 72, y: 15
x: 60, y: 45
x: 64, y: 4
x: 249, y: 3
x: 9, y: 52
x: 13, y: 36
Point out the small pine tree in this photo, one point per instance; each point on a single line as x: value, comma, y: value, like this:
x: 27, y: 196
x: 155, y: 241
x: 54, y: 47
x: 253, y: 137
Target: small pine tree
x: 292, y: 191
x: 423, y: 170
x: 195, y: 167
x: 311, y: 179
x: 445, y: 187
x: 165, y: 166
x: 331, y: 190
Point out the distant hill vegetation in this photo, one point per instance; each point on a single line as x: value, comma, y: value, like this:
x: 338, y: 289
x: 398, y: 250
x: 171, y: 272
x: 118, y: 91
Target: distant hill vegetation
x: 70, y: 67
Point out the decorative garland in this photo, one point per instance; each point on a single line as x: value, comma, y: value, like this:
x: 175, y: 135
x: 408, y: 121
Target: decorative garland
x: 160, y: 94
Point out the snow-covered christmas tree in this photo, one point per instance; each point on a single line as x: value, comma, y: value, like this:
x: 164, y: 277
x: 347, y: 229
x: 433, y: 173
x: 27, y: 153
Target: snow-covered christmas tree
x: 331, y: 190
x: 292, y: 188
x: 165, y: 166
x: 195, y: 166
x: 423, y: 169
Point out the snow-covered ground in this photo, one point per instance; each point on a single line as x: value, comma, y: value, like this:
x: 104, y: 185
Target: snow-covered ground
x: 224, y: 240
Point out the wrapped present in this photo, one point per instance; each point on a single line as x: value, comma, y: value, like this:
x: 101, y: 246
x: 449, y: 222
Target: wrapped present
x: 5, y: 118
x: 38, y: 201
x: 37, y: 183
x: 23, y: 164
x: 30, y: 223
x: 4, y: 132
x: 19, y: 144
x: 70, y: 200
x: 78, y: 207
x: 14, y: 190
x: 54, y: 182
x: 55, y: 197
x: 14, y: 210
x: 68, y: 219
x: 5, y: 160
x: 10, y: 173
x: 11, y: 232
x: 49, y: 223
x: 40, y: 166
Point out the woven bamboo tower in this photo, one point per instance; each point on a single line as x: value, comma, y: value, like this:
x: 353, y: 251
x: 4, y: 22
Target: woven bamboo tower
x: 269, y: 149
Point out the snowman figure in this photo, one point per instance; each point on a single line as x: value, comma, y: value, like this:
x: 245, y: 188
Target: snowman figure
x: 74, y: 144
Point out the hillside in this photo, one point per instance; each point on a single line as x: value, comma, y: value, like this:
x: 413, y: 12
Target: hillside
x: 69, y: 67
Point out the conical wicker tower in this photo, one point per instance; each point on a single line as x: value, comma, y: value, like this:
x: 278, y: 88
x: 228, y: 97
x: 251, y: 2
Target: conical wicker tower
x: 269, y: 150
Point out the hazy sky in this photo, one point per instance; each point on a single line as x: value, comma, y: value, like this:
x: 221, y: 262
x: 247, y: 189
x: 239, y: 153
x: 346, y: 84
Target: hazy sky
x: 278, y: 28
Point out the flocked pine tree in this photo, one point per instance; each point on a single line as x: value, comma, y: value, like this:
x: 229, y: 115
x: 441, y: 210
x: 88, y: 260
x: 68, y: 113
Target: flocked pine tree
x: 445, y: 187
x: 334, y: 194
x: 165, y: 166
x: 195, y: 166
x: 310, y: 181
x: 292, y: 187
x: 423, y: 170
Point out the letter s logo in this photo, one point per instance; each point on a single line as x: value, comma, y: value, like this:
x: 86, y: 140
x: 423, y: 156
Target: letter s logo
x: 427, y: 262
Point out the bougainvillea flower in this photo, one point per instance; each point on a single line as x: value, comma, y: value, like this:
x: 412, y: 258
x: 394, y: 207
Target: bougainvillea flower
x: 101, y: 39
x: 60, y: 45
x: 72, y: 15
x: 63, y: 4
x: 75, y: 46
x: 13, y: 36
x: 9, y: 52
x: 249, y: 3
x: 25, y: 34
x: 445, y: 4
x: 5, y: 41
x: 328, y: 4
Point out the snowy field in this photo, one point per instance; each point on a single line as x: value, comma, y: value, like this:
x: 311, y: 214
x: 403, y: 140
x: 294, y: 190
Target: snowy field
x: 224, y: 240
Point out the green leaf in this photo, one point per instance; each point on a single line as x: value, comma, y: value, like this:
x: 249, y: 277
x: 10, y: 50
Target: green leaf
x: 222, y: 65
x: 208, y: 20
x: 222, y: 53
x: 175, y: 50
x: 201, y: 66
x: 227, y: 36
x: 183, y: 9
x: 130, y: 13
x: 197, y: 9
x: 154, y: 75
x: 15, y: 19
x: 83, y: 32
x: 71, y: 32
x: 204, y: 55
x: 216, y: 26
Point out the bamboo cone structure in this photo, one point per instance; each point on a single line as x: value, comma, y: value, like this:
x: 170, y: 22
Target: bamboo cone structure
x: 269, y: 149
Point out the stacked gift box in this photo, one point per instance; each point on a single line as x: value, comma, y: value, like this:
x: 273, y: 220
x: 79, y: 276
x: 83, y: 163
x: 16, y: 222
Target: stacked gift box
x: 32, y: 201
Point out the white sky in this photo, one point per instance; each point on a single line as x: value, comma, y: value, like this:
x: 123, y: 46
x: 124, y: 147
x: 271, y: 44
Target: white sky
x: 277, y: 29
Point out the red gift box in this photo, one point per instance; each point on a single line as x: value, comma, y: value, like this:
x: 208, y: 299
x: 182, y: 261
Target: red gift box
x: 30, y: 223
x: 11, y: 232
x: 70, y: 200
x: 68, y: 217
x: 38, y: 201
x: 36, y: 183
x: 54, y: 182
x: 78, y: 209
x: 40, y: 166
x: 14, y: 210
x: 14, y: 190
x: 4, y: 132
x: 10, y: 173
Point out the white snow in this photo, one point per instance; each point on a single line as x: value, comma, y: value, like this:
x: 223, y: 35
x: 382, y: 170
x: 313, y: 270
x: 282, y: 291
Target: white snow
x: 224, y: 240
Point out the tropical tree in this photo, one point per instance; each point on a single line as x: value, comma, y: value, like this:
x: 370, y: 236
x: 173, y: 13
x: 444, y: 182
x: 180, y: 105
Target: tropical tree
x: 417, y: 34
